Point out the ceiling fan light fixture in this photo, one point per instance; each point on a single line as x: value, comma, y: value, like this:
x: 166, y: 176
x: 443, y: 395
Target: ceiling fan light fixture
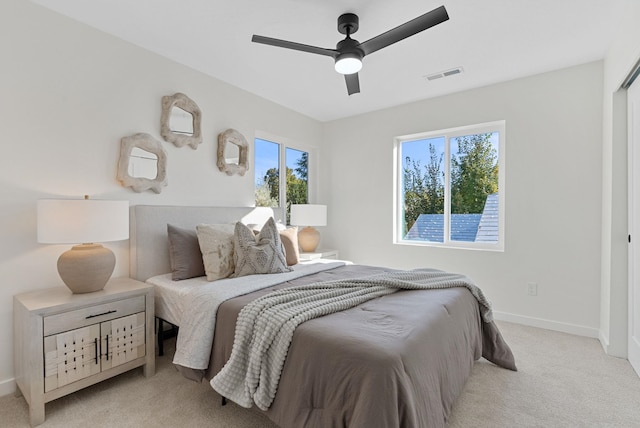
x: 348, y: 63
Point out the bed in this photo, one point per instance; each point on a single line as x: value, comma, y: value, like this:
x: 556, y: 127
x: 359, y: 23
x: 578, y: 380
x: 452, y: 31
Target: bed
x: 399, y: 360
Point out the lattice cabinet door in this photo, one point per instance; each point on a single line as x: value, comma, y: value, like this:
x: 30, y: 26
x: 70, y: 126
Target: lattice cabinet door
x: 71, y: 356
x: 123, y: 340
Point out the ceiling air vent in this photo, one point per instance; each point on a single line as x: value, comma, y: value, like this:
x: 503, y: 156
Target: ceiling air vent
x: 446, y: 73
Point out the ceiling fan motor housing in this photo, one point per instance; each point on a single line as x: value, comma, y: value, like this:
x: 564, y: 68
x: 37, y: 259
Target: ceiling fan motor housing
x: 350, y: 45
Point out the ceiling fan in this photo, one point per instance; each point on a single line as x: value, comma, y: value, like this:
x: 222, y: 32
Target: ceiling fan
x: 348, y: 53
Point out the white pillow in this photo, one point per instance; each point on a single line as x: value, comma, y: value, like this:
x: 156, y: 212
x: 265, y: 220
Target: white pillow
x: 216, y: 245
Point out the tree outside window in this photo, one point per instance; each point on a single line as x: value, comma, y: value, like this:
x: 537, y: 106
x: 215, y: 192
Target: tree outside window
x: 294, y: 186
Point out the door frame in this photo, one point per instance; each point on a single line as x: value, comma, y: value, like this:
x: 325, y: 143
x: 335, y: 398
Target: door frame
x: 633, y: 198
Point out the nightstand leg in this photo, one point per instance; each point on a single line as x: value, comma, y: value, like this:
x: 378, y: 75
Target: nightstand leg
x: 36, y: 412
x: 148, y: 370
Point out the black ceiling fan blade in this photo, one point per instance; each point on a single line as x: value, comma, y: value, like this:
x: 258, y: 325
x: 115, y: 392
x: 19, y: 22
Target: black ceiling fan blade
x: 293, y: 45
x: 408, y: 29
x: 353, y: 83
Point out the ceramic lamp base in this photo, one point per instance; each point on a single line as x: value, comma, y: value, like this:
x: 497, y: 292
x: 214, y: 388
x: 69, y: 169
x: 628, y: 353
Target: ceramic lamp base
x: 86, y: 268
x: 308, y: 239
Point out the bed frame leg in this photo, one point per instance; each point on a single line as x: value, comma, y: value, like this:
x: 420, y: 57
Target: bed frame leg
x: 162, y: 334
x: 224, y: 401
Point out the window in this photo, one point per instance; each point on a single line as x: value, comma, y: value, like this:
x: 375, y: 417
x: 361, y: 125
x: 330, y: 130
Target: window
x: 277, y: 189
x: 449, y: 187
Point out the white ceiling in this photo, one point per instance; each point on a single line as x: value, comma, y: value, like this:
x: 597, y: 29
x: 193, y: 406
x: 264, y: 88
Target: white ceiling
x: 493, y: 40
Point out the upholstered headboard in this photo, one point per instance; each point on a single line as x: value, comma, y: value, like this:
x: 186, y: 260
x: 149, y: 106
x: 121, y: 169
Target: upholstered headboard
x: 148, y: 242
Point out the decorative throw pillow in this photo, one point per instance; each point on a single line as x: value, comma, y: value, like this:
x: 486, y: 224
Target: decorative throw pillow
x: 289, y: 238
x: 185, y: 257
x: 216, y: 245
x: 258, y: 254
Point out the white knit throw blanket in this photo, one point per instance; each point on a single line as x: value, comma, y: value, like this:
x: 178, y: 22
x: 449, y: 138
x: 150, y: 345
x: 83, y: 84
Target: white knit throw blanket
x: 265, y: 327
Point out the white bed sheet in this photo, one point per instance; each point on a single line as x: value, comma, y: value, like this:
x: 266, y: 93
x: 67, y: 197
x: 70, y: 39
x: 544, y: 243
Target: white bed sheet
x: 170, y: 295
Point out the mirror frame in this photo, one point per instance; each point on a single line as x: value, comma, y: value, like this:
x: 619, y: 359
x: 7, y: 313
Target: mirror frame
x: 234, y: 137
x: 148, y: 143
x: 182, y: 101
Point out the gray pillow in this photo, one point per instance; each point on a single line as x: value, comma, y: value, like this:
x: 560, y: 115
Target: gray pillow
x: 185, y: 257
x: 258, y: 254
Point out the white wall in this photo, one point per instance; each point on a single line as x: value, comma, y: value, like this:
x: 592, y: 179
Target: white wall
x: 621, y: 57
x: 69, y: 93
x: 553, y: 193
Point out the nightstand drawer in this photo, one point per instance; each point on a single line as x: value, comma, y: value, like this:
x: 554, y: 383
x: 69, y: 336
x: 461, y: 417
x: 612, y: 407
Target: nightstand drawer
x: 59, y: 323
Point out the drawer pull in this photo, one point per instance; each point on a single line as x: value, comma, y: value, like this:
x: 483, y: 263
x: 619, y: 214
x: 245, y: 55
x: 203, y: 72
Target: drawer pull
x: 99, y: 315
x: 95, y: 342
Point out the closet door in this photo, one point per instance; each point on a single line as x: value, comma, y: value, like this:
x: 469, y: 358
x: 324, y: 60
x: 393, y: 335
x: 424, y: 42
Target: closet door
x: 633, y: 124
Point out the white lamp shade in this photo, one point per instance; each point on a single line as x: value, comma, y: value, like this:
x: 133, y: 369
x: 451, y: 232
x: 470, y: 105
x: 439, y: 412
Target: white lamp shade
x: 64, y: 221
x: 308, y: 215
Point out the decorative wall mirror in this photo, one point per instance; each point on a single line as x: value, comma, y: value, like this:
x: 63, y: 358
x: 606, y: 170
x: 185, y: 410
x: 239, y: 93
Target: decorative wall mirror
x: 142, y: 164
x: 180, y: 121
x: 232, y: 152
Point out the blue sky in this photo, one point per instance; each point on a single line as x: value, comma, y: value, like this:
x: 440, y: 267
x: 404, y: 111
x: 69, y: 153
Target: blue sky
x: 268, y: 155
x: 419, y: 149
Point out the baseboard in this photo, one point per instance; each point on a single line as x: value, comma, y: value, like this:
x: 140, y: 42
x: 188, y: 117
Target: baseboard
x: 604, y: 341
x: 578, y: 330
x: 7, y: 387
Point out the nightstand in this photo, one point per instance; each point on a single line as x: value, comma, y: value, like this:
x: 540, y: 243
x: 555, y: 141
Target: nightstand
x: 64, y: 342
x: 319, y: 254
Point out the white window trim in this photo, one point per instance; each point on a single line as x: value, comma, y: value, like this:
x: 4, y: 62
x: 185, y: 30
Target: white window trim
x: 398, y: 196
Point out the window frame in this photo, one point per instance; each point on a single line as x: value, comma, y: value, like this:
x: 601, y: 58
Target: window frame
x: 284, y: 144
x: 398, y: 189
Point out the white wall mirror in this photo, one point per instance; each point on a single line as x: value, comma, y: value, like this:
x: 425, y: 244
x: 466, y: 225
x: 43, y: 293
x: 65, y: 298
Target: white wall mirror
x: 181, y: 121
x: 232, y: 152
x: 142, y: 164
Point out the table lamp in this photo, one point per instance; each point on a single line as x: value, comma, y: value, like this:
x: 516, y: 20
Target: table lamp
x: 87, y: 266
x: 308, y: 215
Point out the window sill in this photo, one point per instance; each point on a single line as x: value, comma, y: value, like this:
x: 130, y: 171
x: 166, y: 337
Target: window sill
x: 454, y: 245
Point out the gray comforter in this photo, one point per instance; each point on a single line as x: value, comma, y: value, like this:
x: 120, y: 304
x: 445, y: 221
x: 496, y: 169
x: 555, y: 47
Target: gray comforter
x: 265, y: 327
x: 399, y: 360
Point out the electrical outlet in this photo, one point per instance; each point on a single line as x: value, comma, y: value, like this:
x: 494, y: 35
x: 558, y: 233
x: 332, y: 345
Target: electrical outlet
x: 532, y: 288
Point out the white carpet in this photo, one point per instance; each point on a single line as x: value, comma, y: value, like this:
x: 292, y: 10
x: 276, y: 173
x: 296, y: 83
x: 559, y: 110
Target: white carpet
x: 563, y: 381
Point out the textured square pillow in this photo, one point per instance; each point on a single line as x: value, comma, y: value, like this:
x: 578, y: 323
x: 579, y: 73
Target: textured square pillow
x: 258, y: 254
x: 185, y: 257
x: 289, y: 238
x: 216, y: 245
